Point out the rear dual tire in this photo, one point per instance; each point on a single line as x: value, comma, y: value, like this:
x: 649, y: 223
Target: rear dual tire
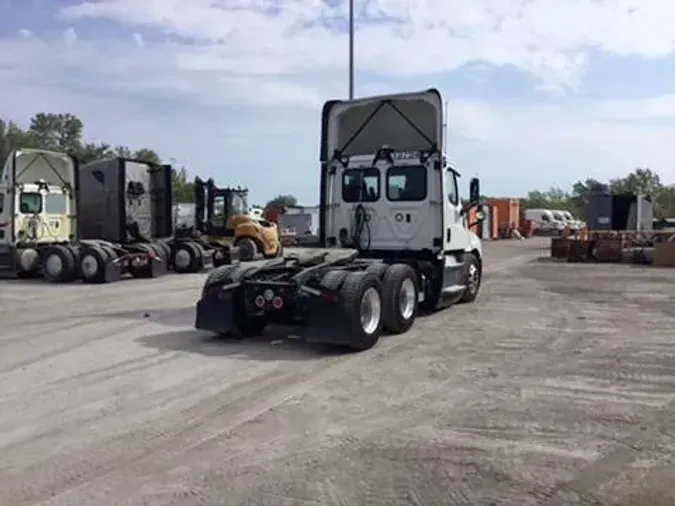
x: 381, y: 298
x: 59, y: 263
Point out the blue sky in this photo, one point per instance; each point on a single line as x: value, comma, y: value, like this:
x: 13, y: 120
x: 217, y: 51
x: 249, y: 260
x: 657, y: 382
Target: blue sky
x: 540, y: 92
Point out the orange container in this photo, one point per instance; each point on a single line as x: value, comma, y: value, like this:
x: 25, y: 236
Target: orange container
x: 494, y: 222
x: 508, y: 210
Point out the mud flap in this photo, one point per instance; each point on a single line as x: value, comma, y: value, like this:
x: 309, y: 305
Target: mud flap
x: 113, y: 271
x: 207, y: 261
x: 215, y: 313
x: 326, y: 322
x: 154, y: 269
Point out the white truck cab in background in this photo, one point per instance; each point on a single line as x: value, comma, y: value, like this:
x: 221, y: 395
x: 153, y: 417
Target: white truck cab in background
x: 37, y: 209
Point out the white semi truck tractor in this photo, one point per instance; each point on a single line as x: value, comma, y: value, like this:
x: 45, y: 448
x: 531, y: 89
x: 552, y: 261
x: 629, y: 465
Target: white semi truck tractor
x: 393, y: 230
x: 38, y: 218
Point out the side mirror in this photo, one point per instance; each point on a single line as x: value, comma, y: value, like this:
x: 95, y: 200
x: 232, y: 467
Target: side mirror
x: 474, y: 190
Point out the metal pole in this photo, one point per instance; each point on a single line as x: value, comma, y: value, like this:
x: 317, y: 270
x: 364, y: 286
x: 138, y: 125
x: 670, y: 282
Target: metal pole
x: 351, y: 49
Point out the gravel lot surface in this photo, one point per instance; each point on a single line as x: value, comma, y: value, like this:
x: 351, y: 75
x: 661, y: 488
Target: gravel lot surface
x: 555, y: 388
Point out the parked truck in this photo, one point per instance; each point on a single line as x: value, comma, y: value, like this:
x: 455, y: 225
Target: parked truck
x: 394, y: 234
x: 38, y: 214
x: 95, y: 222
x: 126, y: 210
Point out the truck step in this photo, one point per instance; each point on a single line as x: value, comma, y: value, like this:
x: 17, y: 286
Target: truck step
x: 452, y: 289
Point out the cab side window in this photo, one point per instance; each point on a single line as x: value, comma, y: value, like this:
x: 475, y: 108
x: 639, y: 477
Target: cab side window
x: 544, y: 217
x: 451, y: 188
x: 2, y: 202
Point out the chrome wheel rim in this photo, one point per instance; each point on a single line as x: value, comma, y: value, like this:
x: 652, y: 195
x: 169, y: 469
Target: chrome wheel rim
x: 182, y: 259
x: 371, y: 310
x: 474, y: 278
x: 407, y: 298
x: 54, y: 264
x: 89, y: 266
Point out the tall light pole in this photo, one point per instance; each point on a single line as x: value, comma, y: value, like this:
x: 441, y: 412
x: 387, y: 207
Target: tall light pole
x: 351, y: 49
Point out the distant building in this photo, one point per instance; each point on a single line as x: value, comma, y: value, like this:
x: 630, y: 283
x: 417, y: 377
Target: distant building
x: 300, y: 220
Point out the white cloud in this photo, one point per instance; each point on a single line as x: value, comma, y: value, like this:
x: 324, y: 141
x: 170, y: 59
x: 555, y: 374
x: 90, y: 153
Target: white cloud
x: 138, y: 39
x: 241, y: 87
x: 547, y: 38
x: 70, y: 37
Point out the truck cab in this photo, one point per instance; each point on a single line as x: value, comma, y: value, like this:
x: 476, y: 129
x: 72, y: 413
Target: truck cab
x: 387, y: 191
x: 37, y: 207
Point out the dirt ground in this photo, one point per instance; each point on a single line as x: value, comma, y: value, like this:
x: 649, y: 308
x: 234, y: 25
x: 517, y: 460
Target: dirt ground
x: 555, y: 388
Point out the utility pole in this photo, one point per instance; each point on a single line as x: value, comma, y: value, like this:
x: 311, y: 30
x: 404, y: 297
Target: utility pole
x: 351, y: 49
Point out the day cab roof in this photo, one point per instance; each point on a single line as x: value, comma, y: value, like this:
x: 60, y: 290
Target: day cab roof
x: 411, y: 121
x: 30, y: 165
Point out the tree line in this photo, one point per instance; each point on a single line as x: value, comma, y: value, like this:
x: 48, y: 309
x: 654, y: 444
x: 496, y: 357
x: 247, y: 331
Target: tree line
x: 65, y: 132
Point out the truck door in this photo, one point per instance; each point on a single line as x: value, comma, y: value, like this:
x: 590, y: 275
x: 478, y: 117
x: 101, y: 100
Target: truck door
x: 412, y: 206
x: 455, y: 235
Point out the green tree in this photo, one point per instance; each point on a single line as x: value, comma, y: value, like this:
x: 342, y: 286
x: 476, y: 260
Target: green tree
x: 183, y: 189
x: 59, y: 132
x: 90, y: 151
x: 282, y: 201
x: 64, y: 132
x: 146, y: 155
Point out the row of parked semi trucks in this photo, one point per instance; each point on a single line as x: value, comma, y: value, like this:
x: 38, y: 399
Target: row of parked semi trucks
x: 113, y: 217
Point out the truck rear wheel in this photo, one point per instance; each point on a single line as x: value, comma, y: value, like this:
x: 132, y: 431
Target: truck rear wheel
x: 400, y: 296
x: 245, y: 324
x: 361, y: 295
x: 58, y: 264
x: 378, y: 268
x: 185, y: 258
x: 333, y: 280
x: 248, y: 249
x: 92, y: 264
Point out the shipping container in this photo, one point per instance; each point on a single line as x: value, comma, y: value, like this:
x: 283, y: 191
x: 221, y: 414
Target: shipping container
x: 605, y: 211
x: 508, y: 210
x: 494, y: 222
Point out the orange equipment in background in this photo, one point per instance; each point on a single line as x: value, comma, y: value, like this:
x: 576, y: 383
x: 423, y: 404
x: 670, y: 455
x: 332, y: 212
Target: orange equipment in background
x: 272, y: 213
x: 509, y: 211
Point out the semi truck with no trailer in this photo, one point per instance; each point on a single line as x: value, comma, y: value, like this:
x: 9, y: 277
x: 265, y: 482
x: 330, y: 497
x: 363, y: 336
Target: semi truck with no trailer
x: 394, y: 234
x: 95, y: 222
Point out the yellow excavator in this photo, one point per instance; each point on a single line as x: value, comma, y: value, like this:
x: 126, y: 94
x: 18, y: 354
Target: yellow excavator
x: 223, y: 218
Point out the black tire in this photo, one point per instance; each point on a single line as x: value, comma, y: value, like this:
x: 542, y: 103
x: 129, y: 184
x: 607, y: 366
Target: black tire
x: 185, y: 258
x: 397, y: 279
x: 333, y: 280
x: 60, y: 270
x: 219, y: 275
x: 246, y: 325
x: 355, y: 286
x: 165, y: 249
x: 472, y: 278
x: 112, y: 253
x: 378, y: 268
x: 248, y: 249
x: 92, y: 264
